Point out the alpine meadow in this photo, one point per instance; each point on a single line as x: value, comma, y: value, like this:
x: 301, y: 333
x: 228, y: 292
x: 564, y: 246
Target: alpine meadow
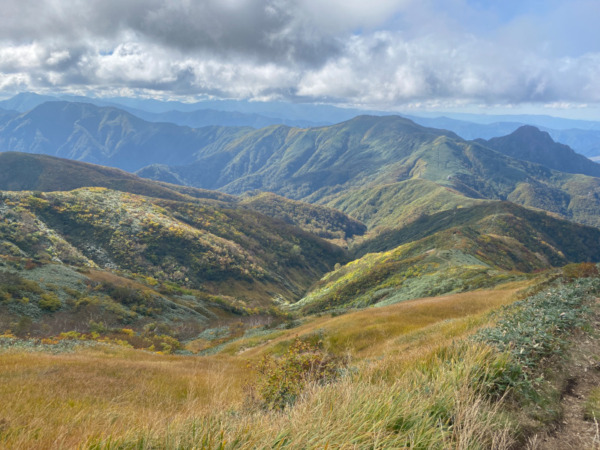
x: 299, y: 225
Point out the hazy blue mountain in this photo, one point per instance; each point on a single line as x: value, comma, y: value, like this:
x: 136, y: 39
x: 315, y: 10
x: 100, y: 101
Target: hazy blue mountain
x: 25, y: 101
x: 468, y: 130
x: 586, y: 142
x: 107, y: 136
x: 194, y: 115
x: 530, y: 144
x: 556, y: 123
x: 281, y: 110
x: 583, y: 141
x: 582, y: 136
x: 208, y: 117
x: 6, y: 114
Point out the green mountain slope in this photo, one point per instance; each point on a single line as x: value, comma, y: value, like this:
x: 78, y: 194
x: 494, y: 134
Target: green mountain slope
x: 453, y: 251
x: 299, y: 163
x: 325, y: 165
x: 397, y: 204
x: 149, y: 258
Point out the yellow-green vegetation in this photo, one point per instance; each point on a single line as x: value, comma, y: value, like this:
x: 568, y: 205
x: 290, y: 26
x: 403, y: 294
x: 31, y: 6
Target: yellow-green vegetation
x: 324, y: 222
x: 397, y: 204
x: 452, y: 251
x: 95, y: 226
x: 592, y: 405
x: 118, y: 259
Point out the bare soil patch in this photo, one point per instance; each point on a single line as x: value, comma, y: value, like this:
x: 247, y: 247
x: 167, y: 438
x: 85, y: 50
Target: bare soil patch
x: 582, y: 375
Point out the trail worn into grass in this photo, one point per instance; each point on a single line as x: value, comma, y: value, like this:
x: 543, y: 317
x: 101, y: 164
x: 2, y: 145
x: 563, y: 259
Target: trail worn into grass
x: 574, y: 430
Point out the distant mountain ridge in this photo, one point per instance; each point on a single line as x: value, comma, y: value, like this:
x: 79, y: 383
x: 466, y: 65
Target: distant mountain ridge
x: 324, y: 165
x: 107, y: 136
x: 317, y: 165
x: 581, y: 135
x: 530, y: 144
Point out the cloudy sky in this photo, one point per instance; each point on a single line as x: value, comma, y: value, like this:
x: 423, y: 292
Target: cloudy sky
x: 523, y: 55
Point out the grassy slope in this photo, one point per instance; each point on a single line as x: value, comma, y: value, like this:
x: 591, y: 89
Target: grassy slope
x: 101, y: 392
x: 452, y: 251
x: 395, y: 205
x: 417, y: 379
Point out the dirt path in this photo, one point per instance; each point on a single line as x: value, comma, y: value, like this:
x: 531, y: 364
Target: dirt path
x: 574, y: 431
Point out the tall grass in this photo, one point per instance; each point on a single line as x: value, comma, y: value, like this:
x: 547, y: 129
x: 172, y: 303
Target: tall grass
x: 431, y: 405
x: 414, y: 381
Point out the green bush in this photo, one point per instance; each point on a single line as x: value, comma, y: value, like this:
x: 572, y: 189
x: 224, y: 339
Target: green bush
x: 533, y: 331
x: 283, y: 379
x: 50, y: 302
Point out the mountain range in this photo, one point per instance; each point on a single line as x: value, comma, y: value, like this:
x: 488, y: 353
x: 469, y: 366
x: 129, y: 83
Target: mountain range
x: 225, y: 224
x: 333, y: 165
x: 583, y: 136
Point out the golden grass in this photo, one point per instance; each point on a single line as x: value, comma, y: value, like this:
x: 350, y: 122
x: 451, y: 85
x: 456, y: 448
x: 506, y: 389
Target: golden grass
x: 375, y: 332
x: 66, y: 400
x: 58, y: 401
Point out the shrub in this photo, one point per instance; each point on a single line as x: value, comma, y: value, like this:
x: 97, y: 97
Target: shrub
x: 532, y: 332
x: 50, y: 302
x: 283, y: 379
x: 581, y: 270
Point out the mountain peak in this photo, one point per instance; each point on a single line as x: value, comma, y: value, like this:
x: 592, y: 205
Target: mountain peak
x: 531, y: 132
x: 528, y: 143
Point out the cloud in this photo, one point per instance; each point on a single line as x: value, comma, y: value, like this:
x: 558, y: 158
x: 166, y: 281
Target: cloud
x: 384, y: 54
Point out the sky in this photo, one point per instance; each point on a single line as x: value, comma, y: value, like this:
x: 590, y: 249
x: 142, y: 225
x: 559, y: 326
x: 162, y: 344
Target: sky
x: 400, y: 55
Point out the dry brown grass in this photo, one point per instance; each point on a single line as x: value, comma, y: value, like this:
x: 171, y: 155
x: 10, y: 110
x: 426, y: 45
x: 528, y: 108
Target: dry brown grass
x: 376, y: 332
x: 58, y: 401
x: 64, y: 400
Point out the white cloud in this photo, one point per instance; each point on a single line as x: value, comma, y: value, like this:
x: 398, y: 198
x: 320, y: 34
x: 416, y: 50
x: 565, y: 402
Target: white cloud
x: 385, y: 53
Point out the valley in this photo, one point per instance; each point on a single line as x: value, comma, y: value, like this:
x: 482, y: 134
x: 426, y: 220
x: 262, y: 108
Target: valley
x: 244, y: 281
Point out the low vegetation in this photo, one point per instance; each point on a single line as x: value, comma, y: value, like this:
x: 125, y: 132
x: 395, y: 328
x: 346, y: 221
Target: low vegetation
x: 403, y: 380
x: 104, y: 256
x: 324, y: 222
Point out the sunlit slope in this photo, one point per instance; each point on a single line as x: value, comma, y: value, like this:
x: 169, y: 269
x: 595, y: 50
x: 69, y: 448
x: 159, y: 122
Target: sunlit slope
x: 95, y: 258
x: 397, y: 204
x: 334, y: 164
x: 453, y: 251
x: 122, y: 392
